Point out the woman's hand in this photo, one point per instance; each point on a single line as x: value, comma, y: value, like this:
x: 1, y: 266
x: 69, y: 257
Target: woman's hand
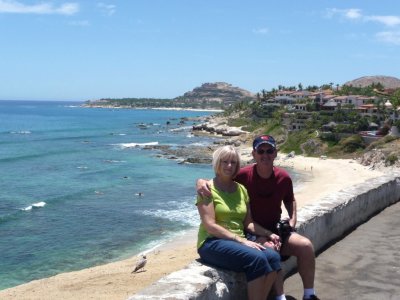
x: 252, y: 244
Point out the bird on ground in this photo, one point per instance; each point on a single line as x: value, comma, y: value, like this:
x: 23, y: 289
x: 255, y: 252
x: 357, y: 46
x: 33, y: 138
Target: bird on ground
x: 140, y: 264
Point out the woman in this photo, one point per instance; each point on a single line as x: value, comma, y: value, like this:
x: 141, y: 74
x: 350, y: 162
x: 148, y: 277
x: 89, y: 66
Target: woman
x: 225, y: 216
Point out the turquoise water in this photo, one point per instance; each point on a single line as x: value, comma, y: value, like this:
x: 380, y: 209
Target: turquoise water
x: 69, y: 184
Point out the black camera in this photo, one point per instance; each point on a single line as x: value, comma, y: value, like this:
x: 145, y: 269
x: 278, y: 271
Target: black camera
x: 284, y: 229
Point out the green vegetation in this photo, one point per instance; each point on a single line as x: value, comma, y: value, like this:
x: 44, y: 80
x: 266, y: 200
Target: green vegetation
x: 294, y: 141
x: 352, y: 144
x: 152, y: 103
x: 364, y: 91
x: 391, y: 159
x: 382, y: 142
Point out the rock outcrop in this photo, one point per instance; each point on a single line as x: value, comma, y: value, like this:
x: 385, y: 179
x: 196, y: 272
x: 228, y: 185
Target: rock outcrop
x: 221, y: 129
x: 218, y: 92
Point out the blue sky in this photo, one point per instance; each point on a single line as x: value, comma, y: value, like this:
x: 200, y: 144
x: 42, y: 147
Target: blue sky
x: 81, y: 50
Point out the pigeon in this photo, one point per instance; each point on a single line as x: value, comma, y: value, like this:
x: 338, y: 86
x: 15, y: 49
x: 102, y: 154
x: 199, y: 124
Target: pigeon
x: 140, y: 263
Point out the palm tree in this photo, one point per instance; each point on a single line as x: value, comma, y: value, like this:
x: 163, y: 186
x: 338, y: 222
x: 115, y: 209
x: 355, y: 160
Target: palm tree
x: 395, y: 100
x: 300, y: 86
x: 380, y: 106
x: 264, y: 94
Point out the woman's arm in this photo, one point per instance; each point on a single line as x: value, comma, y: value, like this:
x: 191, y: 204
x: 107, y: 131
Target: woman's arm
x: 207, y: 215
x: 257, y: 229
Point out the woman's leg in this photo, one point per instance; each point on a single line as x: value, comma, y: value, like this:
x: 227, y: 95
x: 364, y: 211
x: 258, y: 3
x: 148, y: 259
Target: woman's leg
x: 260, y: 266
x: 260, y: 287
x: 236, y: 257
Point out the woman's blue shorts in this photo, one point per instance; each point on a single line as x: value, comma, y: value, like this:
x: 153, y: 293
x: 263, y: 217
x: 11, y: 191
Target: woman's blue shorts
x: 237, y: 257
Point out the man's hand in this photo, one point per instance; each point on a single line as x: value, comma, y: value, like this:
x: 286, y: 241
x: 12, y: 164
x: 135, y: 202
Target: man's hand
x: 275, y: 238
x: 276, y: 241
x: 203, y: 188
x: 273, y: 241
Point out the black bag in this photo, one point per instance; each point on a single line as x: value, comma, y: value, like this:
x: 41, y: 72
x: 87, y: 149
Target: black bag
x: 284, y: 229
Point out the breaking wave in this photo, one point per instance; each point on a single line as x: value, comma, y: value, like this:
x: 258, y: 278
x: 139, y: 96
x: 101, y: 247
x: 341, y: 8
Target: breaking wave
x: 136, y: 145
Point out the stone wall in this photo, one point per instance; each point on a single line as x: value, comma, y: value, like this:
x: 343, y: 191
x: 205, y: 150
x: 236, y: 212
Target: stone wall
x: 322, y: 222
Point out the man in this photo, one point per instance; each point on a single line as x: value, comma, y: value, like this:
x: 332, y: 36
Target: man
x: 268, y: 186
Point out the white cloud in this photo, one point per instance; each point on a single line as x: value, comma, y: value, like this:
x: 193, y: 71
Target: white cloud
x: 261, y: 31
x: 15, y: 7
x: 351, y: 13
x: 391, y: 37
x: 108, y: 9
x: 356, y: 14
x: 386, y: 20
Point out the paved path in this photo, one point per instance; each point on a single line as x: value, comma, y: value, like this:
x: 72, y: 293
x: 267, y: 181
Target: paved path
x: 364, y: 265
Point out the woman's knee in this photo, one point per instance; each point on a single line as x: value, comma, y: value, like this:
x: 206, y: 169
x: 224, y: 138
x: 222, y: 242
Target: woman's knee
x: 272, y: 255
x: 270, y: 259
x: 260, y: 261
x: 273, y: 258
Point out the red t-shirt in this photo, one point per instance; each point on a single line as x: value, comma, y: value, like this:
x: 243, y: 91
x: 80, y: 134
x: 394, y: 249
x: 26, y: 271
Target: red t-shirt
x: 266, y: 195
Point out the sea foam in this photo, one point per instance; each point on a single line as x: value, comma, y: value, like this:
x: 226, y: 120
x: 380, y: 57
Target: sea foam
x: 34, y: 205
x: 178, y: 212
x: 184, y: 128
x: 21, y: 132
x: 133, y: 145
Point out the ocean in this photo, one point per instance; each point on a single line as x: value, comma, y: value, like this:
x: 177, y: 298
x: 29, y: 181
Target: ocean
x: 79, y: 188
x: 70, y: 184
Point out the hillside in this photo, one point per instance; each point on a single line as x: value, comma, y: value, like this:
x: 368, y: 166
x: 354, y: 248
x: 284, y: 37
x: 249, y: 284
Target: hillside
x: 217, y: 92
x: 387, y: 81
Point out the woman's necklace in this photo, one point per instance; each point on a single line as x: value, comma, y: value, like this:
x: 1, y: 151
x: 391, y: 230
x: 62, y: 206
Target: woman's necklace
x: 227, y: 187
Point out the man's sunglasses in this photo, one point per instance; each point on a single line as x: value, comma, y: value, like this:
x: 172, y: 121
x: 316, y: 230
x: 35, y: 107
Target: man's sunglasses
x: 268, y: 151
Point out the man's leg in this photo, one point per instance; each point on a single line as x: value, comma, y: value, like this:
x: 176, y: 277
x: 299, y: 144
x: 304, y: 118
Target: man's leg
x: 302, y: 248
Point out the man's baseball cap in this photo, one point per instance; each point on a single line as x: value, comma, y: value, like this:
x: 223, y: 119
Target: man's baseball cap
x: 264, y: 139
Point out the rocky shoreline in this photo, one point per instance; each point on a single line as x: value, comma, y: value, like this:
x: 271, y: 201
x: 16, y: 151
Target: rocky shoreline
x: 215, y: 128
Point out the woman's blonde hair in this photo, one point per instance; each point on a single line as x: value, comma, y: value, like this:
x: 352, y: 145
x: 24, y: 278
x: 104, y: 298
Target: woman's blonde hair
x: 225, y: 152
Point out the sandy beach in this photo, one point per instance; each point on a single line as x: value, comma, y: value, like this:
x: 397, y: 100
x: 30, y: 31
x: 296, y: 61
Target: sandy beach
x: 115, y: 280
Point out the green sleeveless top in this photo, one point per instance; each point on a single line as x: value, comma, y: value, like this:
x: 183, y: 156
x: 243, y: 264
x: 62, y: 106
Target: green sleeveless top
x: 230, y: 211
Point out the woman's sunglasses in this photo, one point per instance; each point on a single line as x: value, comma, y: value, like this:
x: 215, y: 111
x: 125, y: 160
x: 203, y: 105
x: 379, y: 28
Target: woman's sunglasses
x: 268, y: 151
